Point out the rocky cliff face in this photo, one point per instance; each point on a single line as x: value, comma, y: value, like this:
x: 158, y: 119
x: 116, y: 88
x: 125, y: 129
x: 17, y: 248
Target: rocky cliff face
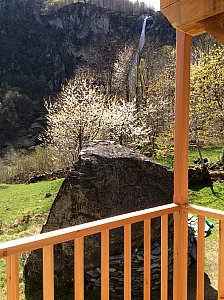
x: 40, y: 51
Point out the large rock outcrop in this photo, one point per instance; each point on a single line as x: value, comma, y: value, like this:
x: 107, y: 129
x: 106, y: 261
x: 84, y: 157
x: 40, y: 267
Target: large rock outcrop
x: 106, y: 180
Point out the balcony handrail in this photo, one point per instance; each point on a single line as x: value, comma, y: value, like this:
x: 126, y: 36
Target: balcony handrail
x: 46, y: 241
x: 206, y: 212
x: 70, y: 233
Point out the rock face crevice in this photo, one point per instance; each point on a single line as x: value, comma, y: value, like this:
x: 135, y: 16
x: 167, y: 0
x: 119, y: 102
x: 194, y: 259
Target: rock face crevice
x: 106, y: 180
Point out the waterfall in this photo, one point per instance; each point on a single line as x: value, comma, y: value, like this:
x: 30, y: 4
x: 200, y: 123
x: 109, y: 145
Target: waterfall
x: 138, y: 52
x: 141, y: 43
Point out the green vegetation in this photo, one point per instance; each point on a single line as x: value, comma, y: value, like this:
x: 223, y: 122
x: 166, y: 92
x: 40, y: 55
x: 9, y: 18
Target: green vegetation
x: 41, y: 160
x: 23, y: 211
x: 164, y: 160
x: 24, y: 207
x: 213, y: 154
x: 212, y: 197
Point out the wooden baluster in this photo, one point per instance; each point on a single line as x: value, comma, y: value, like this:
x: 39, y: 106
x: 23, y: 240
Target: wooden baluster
x: 9, y: 277
x: 79, y: 269
x: 127, y: 262
x: 12, y: 263
x: 48, y: 272
x: 221, y: 261
x: 147, y: 259
x: 200, y: 257
x: 164, y: 257
x: 105, y: 265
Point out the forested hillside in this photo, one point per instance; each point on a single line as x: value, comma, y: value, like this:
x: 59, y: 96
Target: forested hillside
x: 73, y: 72
x: 43, y: 48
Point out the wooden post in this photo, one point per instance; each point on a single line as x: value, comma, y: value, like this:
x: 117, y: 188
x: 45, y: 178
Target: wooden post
x: 183, y: 53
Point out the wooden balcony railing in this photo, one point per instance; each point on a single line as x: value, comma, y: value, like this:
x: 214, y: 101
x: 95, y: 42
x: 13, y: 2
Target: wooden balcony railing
x: 215, y: 214
x: 11, y: 250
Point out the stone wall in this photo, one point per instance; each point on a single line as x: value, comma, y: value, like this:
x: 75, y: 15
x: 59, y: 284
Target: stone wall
x: 93, y: 276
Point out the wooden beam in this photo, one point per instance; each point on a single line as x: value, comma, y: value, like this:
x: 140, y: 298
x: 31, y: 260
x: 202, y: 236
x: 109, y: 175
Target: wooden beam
x: 215, y: 26
x: 186, y: 15
x: 183, y: 51
x: 183, y: 57
x: 206, y: 212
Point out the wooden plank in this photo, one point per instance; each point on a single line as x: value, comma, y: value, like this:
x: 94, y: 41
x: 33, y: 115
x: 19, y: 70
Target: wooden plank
x: 147, y: 259
x: 48, y: 273
x: 185, y: 15
x: 70, y: 233
x: 165, y: 3
x: 181, y: 127
x: 105, y: 265
x: 200, y: 257
x: 79, y: 269
x: 215, y: 27
x: 127, y: 262
x: 164, y: 257
x: 206, y: 212
x: 12, y: 264
x: 221, y: 261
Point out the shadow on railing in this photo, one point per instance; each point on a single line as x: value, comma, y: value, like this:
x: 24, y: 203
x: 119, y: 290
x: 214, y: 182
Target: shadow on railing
x: 11, y: 250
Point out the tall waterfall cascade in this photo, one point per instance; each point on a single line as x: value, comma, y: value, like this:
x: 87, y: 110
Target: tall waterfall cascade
x: 141, y: 43
x: 139, y: 50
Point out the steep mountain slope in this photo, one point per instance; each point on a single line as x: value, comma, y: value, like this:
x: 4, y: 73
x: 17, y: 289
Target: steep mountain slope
x: 39, y: 52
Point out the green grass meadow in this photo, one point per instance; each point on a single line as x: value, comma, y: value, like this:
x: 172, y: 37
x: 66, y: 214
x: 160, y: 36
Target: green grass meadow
x: 23, y: 206
x: 23, y: 210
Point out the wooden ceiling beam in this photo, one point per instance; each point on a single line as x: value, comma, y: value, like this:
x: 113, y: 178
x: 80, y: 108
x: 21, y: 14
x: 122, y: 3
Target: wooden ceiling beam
x: 190, y: 15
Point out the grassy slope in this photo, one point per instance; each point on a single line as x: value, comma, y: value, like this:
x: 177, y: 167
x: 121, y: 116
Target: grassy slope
x: 23, y: 210
x: 25, y: 205
x: 206, y: 196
